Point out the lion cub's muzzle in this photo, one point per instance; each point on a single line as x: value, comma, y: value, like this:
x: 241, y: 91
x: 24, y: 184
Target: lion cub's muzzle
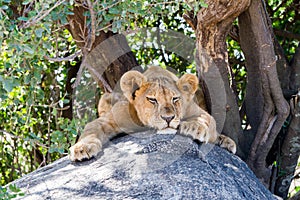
x: 168, y: 119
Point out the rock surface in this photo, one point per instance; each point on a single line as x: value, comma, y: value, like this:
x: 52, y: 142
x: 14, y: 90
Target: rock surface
x: 148, y: 166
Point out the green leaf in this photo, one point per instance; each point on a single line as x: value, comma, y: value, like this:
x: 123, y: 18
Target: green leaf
x: 52, y: 150
x: 9, y: 84
x: 114, y: 10
x: 14, y: 188
x: 21, y: 194
x: 203, y: 4
x: 4, y: 7
x: 26, y: 2
x: 64, y: 20
x: 27, y: 78
x: 37, y: 74
x: 54, y: 112
x: 66, y: 101
x: 61, y: 150
x: 69, y: 13
x: 39, y: 32
x: 22, y: 18
x: 108, y: 17
x: 47, y: 45
x: 28, y: 49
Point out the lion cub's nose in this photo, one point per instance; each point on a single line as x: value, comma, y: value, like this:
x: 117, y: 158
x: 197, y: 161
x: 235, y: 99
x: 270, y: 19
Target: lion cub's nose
x: 168, y: 119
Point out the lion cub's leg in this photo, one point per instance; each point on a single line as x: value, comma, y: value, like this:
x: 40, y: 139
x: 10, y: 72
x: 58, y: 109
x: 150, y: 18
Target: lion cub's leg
x: 95, y: 134
x: 203, y: 128
x: 226, y: 143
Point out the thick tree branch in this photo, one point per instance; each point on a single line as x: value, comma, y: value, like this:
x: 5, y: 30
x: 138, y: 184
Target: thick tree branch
x: 103, y: 46
x: 93, y: 26
x: 212, y: 26
x: 290, y: 150
x: 287, y: 34
x: 255, y: 29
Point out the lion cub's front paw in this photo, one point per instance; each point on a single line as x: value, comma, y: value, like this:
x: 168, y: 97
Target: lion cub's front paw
x: 81, y: 150
x: 196, y: 130
x: 227, y: 143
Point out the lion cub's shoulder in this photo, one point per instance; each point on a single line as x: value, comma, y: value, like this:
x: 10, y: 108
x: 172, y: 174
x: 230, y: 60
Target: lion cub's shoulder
x: 107, y: 101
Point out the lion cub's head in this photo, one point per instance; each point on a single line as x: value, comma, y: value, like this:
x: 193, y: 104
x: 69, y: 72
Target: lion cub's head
x: 158, y: 96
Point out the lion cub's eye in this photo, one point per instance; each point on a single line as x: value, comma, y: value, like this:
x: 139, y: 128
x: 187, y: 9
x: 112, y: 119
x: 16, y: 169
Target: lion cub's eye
x: 152, y: 100
x: 175, y: 99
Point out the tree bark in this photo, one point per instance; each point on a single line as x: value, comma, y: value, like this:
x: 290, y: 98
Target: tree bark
x: 290, y: 148
x: 71, y: 73
x: 284, y: 151
x: 212, y: 26
x: 255, y: 30
x: 295, y: 71
x: 296, y: 196
x: 112, y: 71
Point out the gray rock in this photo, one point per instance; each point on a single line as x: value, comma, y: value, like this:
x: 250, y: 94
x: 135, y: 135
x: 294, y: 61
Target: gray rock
x: 148, y: 166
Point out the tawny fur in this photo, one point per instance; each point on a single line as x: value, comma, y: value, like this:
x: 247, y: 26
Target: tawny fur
x: 155, y: 99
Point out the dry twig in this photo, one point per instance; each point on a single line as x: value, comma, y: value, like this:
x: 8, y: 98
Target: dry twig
x: 69, y: 58
x: 93, y: 26
x: 41, y: 15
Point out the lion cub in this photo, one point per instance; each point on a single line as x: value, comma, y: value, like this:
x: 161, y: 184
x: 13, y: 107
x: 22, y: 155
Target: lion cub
x: 155, y: 99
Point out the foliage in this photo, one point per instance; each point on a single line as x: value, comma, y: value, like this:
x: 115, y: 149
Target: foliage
x: 32, y: 91
x: 33, y: 94
x: 10, y: 192
x: 35, y: 44
x: 286, y: 24
x: 239, y: 74
x: 154, y: 51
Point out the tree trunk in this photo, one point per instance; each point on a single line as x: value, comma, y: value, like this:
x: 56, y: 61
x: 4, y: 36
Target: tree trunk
x: 212, y: 25
x: 110, y: 71
x: 295, y: 71
x: 257, y: 44
x: 290, y: 151
x: 71, y: 73
x: 290, y: 148
x: 296, y: 196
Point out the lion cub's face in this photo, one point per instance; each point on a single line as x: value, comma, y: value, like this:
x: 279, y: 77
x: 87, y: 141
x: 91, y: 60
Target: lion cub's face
x: 159, y: 99
x: 158, y: 105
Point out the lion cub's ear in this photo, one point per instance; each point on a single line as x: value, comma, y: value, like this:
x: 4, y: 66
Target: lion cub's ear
x: 188, y: 84
x: 130, y: 82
